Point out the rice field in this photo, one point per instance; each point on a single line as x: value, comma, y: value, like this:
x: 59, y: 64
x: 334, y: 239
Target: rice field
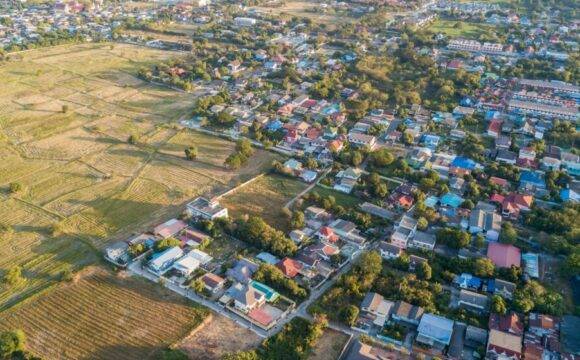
x: 101, y: 315
x: 65, y: 116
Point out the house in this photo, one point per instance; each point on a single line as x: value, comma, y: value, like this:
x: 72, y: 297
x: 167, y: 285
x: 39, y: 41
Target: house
x: 212, y: 282
x: 423, y: 240
x: 415, y: 260
x: 513, y: 204
x: 192, y: 237
x: 289, y: 267
x: 377, y: 211
x: 346, y: 180
x: 531, y: 265
x: 242, y: 271
x: 486, y: 222
x: 502, y: 288
x: 161, y: 262
x: 326, y: 234
x: 475, y: 337
x: 407, y: 313
x: 169, y: 228
x: 404, y: 231
x: 389, y: 251
x: 510, y: 323
x: 267, y: 258
x: 468, y: 281
x: 503, y: 255
x: 550, y: 163
x: 494, y: 128
x: 502, y: 345
x: 293, y: 165
x: 308, y: 175
x: 503, y: 142
x: 375, y: 304
x: 362, y: 140
x: 117, y: 252
x: 532, y: 182
x: 321, y: 251
x: 200, y: 256
x: 462, y: 166
x: 473, y: 301
x: 246, y: 298
x: 506, y: 157
x: 542, y: 325
x: 347, y: 231
x: 313, y: 212
x: 451, y: 200
x: 435, y: 331
x: 186, y: 265
x: 206, y: 209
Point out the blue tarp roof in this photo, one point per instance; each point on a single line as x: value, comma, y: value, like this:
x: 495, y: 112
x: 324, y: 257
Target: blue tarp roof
x: 532, y: 177
x: 463, y: 163
x: 451, y: 199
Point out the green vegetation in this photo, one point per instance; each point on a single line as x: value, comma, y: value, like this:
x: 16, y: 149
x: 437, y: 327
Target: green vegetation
x: 463, y: 29
x: 258, y: 233
x: 272, y: 276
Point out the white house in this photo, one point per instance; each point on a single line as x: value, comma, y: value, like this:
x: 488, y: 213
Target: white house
x: 206, y: 209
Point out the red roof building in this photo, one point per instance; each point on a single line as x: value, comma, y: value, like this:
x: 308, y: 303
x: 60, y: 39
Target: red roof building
x: 510, y: 323
x: 513, y: 204
x: 326, y: 233
x: 494, y: 128
x: 504, y: 255
x: 499, y: 181
x: 289, y: 267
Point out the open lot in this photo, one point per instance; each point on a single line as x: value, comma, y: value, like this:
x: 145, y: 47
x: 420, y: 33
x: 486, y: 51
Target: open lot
x: 217, y: 337
x: 101, y: 315
x: 467, y: 30
x: 329, y: 345
x: 304, y: 9
x: 265, y: 197
x: 67, y: 113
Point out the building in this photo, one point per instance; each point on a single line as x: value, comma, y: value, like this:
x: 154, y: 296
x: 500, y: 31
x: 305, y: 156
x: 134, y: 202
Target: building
x: 289, y: 267
x: 186, y: 265
x: 473, y: 301
x: 161, y: 262
x: 246, y: 298
x: 407, y: 313
x: 117, y: 252
x: 504, y: 255
x: 504, y: 346
x: 502, y: 288
x: 242, y: 271
x: 423, y: 240
x: 513, y: 204
x: 435, y: 330
x: 376, y: 305
x: 389, y: 251
x: 245, y: 21
x: 404, y: 231
x: 169, y: 228
x: 510, y: 323
x: 486, y: 222
x: 212, y: 282
x: 206, y: 209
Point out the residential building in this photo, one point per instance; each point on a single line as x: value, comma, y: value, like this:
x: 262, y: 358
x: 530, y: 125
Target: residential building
x: 502, y: 288
x: 389, y: 251
x: 289, y: 267
x: 486, y: 222
x: 504, y: 255
x: 169, y: 228
x: 186, y: 265
x: 246, y: 298
x: 206, y: 209
x: 435, y: 330
x: 212, y: 282
x: 161, y: 262
x: 407, y: 313
x: 242, y: 271
x: 473, y: 301
x: 117, y: 252
x: 503, y: 346
x: 376, y: 305
x: 423, y: 240
x: 511, y: 323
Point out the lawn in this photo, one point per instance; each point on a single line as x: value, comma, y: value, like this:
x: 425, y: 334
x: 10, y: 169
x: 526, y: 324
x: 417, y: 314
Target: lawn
x: 465, y: 30
x: 67, y: 113
x: 346, y: 200
x: 101, y: 315
x: 265, y: 197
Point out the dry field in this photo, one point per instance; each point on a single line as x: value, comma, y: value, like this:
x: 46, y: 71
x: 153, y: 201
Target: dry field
x: 329, y: 345
x: 101, y: 315
x: 217, y: 337
x: 304, y: 9
x: 264, y: 197
x: 65, y: 116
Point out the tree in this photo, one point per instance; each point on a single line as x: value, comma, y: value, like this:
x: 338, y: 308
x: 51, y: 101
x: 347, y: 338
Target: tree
x: 424, y: 271
x: 453, y: 238
x: 13, y: 276
x: 15, y: 187
x: 297, y: 221
x: 241, y: 355
x: 197, y: 285
x: 422, y: 223
x: 484, y: 267
x: 357, y: 158
x: 508, y: 234
x: 191, y: 153
x: 11, y: 342
x: 382, y: 158
x: 166, y: 244
x: 350, y: 314
x: 498, y: 305
x: 64, y: 109
x: 133, y: 139
x: 480, y: 241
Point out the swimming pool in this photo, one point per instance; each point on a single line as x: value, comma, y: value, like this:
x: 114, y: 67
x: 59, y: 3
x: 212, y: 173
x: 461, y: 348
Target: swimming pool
x: 268, y: 292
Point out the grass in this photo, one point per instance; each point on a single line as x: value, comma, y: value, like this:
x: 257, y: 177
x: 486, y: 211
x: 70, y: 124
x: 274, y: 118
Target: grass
x: 76, y: 167
x: 102, y: 315
x: 264, y: 197
x: 466, y: 30
x: 345, y: 200
x: 329, y: 346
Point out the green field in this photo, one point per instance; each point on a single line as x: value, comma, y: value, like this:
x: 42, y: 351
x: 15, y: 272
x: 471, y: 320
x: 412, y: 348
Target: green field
x: 465, y: 30
x: 345, y: 200
x: 264, y: 197
x: 67, y: 113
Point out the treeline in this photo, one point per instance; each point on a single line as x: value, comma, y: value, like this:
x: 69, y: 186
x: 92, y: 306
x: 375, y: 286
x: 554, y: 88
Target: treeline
x: 257, y: 232
x: 272, y: 276
x: 294, y: 342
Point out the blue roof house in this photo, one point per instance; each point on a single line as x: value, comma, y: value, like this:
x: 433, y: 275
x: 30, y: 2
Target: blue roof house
x: 274, y: 125
x: 468, y: 281
x: 430, y: 141
x: 451, y: 200
x: 463, y: 163
x: 435, y: 331
x: 532, y: 181
x: 569, y: 195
